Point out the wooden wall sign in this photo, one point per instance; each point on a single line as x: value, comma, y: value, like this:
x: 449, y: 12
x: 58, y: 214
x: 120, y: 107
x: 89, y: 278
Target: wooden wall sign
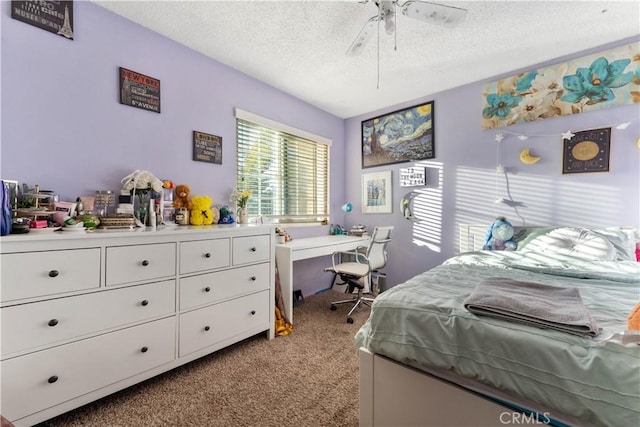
x: 140, y: 91
x: 207, y: 148
x: 53, y: 16
x: 587, y: 151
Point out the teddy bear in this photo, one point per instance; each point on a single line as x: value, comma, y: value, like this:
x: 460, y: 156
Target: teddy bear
x: 226, y: 215
x: 500, y: 236
x: 201, y: 213
x: 182, y: 197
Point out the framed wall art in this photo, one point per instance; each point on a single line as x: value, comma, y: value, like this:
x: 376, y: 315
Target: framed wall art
x: 207, y: 148
x: 587, y: 151
x: 376, y: 192
x: 412, y: 177
x: 140, y: 91
x: 401, y: 136
x: 53, y: 16
x: 589, y: 83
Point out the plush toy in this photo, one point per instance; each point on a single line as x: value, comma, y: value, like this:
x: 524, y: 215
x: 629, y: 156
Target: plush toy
x: 182, y: 197
x: 226, y: 216
x: 499, y: 236
x: 201, y: 213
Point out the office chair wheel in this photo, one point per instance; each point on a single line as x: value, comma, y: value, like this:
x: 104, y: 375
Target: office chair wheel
x: 333, y: 307
x: 350, y: 320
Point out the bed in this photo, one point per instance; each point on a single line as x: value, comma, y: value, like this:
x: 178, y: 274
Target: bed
x: 425, y: 359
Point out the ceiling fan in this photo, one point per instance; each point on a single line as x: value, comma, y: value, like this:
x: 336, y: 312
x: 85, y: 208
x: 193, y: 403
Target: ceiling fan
x: 423, y: 11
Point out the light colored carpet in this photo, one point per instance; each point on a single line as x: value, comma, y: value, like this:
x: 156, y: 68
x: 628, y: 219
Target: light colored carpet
x: 309, y: 378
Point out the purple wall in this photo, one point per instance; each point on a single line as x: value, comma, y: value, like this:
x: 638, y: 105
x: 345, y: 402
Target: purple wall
x: 64, y: 128
x: 462, y: 180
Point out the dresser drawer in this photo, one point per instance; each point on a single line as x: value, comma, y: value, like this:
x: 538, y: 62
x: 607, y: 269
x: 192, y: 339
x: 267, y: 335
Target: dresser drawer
x: 251, y: 249
x: 26, y: 275
x: 42, y: 323
x: 212, y: 287
x: 204, y: 255
x: 126, y: 264
x: 207, y: 326
x: 43, y: 379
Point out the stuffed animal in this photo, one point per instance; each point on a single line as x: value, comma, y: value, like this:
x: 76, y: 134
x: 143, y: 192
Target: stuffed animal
x: 226, y: 216
x: 201, y: 213
x: 182, y: 197
x: 499, y: 236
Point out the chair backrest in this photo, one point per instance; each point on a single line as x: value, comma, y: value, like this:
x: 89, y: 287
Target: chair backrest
x: 376, y: 251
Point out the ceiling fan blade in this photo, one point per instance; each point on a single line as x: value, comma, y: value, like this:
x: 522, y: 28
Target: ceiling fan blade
x: 433, y: 13
x: 364, y: 36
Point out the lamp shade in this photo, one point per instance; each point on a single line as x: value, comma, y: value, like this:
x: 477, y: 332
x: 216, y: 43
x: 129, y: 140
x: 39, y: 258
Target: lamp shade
x: 347, y: 207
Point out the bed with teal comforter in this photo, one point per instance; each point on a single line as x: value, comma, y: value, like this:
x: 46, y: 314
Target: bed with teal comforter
x: 424, y: 324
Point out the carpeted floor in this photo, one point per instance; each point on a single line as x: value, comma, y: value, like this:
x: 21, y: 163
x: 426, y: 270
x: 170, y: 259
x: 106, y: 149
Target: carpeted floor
x: 309, y: 378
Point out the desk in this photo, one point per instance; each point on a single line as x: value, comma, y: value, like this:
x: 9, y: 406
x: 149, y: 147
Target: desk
x: 310, y: 247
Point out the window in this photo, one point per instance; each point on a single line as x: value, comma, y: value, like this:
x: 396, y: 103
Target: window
x: 286, y: 169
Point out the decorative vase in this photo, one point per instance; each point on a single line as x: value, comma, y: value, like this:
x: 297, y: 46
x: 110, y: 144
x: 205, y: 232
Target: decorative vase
x: 242, y: 215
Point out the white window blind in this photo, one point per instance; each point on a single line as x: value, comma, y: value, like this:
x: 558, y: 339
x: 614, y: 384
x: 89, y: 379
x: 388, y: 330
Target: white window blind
x: 287, y: 173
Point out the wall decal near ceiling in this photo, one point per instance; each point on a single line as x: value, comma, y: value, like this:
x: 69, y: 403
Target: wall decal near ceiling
x: 140, y: 91
x: 207, y: 148
x: 603, y: 80
x: 376, y: 192
x: 53, y: 16
x: 401, y: 136
x: 586, y: 151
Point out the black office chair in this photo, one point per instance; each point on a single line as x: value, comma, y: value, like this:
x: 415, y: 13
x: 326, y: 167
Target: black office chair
x: 359, y: 268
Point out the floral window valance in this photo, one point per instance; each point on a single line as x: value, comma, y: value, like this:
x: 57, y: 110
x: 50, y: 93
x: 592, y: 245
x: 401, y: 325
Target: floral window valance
x: 603, y: 80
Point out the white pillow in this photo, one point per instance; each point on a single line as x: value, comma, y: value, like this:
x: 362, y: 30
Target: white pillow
x: 624, y: 241
x: 576, y: 242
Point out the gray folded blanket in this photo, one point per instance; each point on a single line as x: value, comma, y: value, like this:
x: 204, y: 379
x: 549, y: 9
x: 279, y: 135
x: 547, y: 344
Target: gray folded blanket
x: 534, y: 304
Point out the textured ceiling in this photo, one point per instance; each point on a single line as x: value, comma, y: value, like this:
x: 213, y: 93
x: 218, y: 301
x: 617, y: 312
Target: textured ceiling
x: 299, y: 46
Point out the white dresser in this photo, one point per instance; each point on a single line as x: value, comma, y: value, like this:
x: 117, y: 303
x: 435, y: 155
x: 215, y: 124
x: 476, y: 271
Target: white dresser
x: 86, y: 314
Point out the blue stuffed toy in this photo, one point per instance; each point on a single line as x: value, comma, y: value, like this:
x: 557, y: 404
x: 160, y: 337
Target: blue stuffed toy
x: 500, y: 236
x: 226, y: 216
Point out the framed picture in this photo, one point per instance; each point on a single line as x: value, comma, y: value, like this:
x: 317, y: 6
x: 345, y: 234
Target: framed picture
x: 53, y: 16
x: 207, y: 148
x: 376, y: 192
x: 138, y: 90
x: 401, y: 136
x: 587, y: 151
x: 412, y: 177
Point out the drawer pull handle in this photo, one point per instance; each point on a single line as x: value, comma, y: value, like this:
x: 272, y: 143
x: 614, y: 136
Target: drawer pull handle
x: 207, y: 289
x: 253, y: 278
x: 144, y: 349
x: 144, y: 303
x: 54, y: 273
x: 53, y: 322
x: 52, y: 379
x: 207, y: 255
x: 145, y: 263
x: 253, y: 312
x: 206, y: 328
x: 253, y: 249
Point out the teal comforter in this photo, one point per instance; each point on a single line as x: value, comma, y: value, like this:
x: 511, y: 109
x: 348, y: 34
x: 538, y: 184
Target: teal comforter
x: 423, y: 323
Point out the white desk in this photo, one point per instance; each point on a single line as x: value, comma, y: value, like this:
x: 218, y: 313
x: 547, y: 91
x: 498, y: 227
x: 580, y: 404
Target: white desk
x: 310, y: 247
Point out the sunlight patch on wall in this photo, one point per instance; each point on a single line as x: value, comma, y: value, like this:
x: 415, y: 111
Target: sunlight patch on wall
x: 427, y: 208
x: 535, y: 199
